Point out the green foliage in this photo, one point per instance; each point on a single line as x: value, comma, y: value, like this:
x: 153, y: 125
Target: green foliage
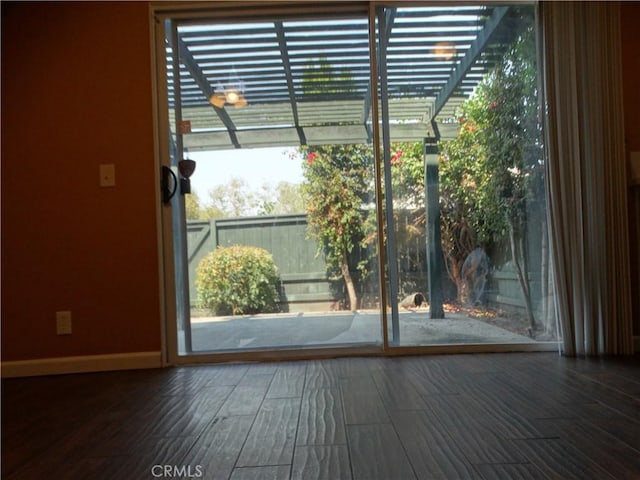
x: 235, y: 198
x: 196, y: 211
x: 338, y: 179
x: 513, y: 134
x: 238, y: 199
x: 237, y: 279
x: 494, y: 167
x: 470, y: 215
x: 487, y: 174
x: 192, y: 206
x: 286, y: 198
x: 407, y: 181
x: 407, y: 175
x: 322, y: 78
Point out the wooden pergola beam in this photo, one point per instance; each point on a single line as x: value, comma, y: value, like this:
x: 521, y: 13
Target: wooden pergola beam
x: 477, y: 46
x: 201, y: 80
x: 284, y: 53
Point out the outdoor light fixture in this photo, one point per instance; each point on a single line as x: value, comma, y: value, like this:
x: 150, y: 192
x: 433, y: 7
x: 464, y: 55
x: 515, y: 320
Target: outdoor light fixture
x: 169, y: 181
x: 217, y: 99
x: 232, y: 92
x: 186, y: 168
x: 445, y: 50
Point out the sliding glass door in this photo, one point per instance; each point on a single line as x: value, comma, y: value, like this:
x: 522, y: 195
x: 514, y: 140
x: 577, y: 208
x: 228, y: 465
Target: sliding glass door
x: 366, y: 180
x: 278, y: 220
x: 464, y: 176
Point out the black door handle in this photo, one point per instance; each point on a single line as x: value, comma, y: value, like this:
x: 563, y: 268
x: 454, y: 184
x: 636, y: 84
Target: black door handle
x: 168, y: 178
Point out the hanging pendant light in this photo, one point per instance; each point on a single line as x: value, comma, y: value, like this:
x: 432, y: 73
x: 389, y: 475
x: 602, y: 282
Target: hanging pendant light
x: 231, y: 93
x: 445, y: 50
x: 218, y: 98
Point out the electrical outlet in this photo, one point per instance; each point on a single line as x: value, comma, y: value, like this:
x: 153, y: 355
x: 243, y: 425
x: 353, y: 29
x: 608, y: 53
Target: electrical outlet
x: 63, y: 322
x: 107, y: 175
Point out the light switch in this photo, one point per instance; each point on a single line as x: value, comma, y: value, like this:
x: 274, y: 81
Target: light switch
x: 63, y: 323
x: 107, y: 175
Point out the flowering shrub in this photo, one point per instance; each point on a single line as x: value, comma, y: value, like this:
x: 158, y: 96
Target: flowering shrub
x: 338, y: 179
x: 236, y: 280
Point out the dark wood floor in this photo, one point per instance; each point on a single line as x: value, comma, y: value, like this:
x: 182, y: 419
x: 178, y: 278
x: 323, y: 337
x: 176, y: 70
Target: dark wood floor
x: 488, y: 416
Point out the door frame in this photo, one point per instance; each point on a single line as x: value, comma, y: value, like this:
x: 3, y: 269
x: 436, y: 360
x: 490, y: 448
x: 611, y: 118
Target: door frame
x: 160, y: 13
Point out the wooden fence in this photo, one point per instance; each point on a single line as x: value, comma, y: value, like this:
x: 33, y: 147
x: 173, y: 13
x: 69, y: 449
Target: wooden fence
x: 303, y: 273
x: 304, y: 284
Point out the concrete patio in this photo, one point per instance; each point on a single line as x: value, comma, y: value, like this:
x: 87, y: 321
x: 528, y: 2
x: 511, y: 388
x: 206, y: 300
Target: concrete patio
x: 291, y: 330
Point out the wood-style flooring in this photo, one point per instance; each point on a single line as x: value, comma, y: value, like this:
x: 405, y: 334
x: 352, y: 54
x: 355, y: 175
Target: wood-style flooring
x: 481, y: 416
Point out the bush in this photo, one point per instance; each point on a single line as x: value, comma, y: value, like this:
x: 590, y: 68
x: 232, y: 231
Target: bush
x: 237, y: 280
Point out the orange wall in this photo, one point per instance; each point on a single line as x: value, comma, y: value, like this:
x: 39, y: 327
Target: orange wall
x: 76, y: 93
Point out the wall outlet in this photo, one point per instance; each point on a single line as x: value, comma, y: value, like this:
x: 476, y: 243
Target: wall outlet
x: 63, y: 322
x: 107, y: 175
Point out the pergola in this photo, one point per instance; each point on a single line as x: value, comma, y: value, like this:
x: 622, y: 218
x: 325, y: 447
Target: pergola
x: 308, y: 81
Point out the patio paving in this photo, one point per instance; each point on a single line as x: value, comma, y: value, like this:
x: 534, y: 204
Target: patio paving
x: 341, y: 328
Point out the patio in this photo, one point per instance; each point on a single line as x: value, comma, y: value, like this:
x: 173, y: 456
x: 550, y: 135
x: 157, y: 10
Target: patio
x: 341, y: 328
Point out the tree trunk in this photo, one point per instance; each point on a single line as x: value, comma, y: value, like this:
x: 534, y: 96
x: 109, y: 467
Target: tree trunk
x: 459, y: 281
x: 522, y: 276
x: 453, y: 270
x: 348, y: 281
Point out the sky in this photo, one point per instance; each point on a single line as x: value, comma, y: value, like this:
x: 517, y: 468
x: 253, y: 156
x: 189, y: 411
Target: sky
x: 255, y: 165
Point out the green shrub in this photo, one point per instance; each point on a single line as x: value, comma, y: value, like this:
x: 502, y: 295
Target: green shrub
x: 236, y: 280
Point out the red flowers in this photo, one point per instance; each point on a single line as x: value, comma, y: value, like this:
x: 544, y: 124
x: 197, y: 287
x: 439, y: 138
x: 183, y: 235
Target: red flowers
x: 395, y: 160
x: 311, y: 157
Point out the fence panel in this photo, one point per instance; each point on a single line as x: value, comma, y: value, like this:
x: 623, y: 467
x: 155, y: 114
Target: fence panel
x: 304, y: 283
x: 303, y: 273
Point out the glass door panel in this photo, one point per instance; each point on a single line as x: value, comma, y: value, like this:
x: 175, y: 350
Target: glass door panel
x: 309, y: 147
x: 464, y: 176
x: 279, y: 216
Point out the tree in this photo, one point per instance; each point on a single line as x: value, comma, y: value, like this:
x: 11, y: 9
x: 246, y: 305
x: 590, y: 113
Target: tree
x: 289, y: 198
x: 193, y: 208
x: 470, y: 216
x: 407, y: 182
x: 514, y: 148
x: 285, y: 198
x: 238, y: 199
x: 490, y: 171
x: 337, y: 182
x: 322, y: 78
x: 234, y: 199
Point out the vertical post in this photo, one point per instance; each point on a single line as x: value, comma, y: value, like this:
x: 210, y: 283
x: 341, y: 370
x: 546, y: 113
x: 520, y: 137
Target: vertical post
x: 179, y: 215
x: 434, y: 245
x: 392, y: 253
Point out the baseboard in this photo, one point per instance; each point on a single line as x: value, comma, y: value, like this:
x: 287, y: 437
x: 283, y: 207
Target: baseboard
x: 81, y: 364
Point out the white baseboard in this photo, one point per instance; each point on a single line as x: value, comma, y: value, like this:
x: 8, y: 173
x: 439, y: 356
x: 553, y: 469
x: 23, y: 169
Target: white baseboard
x: 81, y: 364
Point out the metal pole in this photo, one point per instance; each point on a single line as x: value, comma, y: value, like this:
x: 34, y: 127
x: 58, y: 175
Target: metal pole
x: 434, y: 245
x: 378, y: 175
x: 392, y: 256
x: 179, y: 214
